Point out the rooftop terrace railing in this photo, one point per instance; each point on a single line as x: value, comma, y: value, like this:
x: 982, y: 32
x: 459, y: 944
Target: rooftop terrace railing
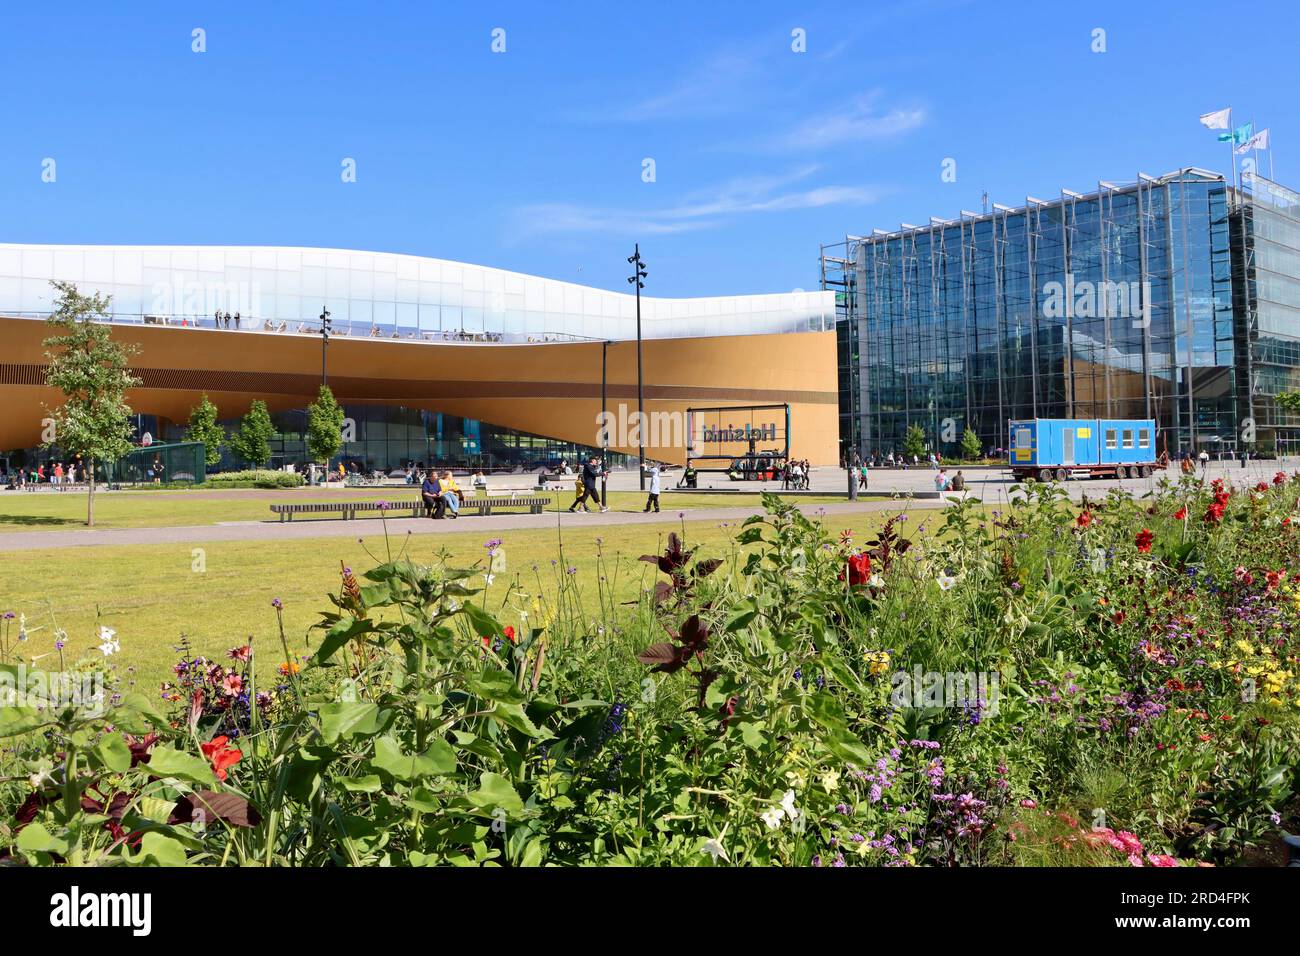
x: 343, y: 329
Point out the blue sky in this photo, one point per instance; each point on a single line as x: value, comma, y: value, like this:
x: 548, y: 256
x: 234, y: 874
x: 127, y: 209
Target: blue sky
x: 532, y: 159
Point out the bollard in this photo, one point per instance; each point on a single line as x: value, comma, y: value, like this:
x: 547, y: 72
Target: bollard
x: 853, y: 485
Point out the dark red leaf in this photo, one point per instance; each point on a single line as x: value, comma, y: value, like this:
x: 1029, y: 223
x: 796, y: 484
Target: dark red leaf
x: 212, y: 805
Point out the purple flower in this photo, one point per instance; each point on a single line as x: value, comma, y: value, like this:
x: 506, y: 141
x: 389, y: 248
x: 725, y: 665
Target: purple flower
x: 275, y: 603
x: 9, y: 615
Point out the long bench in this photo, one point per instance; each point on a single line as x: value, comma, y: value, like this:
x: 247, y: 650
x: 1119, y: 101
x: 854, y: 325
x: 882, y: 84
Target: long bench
x: 414, y: 507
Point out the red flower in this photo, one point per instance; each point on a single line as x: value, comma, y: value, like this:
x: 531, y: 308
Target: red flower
x: 1144, y: 539
x: 1273, y: 579
x: 240, y: 653
x: 1262, y: 486
x: 1279, y: 478
x: 1084, y: 519
x: 859, y: 568
x: 509, y: 632
x: 221, y: 755
x: 1181, y: 513
x: 1214, y: 513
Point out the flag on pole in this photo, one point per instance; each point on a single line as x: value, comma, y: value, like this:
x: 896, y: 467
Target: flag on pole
x: 1219, y: 119
x: 1258, y: 141
x: 1238, y: 135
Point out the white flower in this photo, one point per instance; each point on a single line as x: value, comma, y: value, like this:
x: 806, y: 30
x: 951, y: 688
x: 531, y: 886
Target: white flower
x: 40, y: 778
x: 946, y: 582
x: 876, y: 581
x: 773, y: 817
x: 489, y: 578
x: 714, y: 848
x: 108, y: 641
x: 831, y: 780
x: 787, y: 804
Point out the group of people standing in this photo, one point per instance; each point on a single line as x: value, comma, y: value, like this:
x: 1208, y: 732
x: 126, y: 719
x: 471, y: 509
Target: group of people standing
x: 223, y: 321
x: 55, y: 475
x: 795, y: 473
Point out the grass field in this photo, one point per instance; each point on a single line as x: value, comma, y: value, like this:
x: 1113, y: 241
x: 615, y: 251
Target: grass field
x: 153, y: 594
x: 52, y: 511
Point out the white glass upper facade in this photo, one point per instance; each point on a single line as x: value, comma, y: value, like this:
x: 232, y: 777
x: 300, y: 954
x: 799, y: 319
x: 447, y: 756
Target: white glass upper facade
x: 376, y: 294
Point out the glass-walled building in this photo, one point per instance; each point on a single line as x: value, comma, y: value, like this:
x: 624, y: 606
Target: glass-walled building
x: 1128, y: 302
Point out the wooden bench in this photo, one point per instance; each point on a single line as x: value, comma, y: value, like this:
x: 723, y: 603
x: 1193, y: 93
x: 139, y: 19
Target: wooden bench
x: 414, y: 508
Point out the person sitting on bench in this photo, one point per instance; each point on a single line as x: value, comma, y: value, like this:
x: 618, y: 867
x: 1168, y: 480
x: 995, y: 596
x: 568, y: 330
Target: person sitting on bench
x: 451, y: 495
x: 431, y: 492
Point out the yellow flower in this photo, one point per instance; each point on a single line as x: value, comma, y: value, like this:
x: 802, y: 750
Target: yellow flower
x: 877, y: 662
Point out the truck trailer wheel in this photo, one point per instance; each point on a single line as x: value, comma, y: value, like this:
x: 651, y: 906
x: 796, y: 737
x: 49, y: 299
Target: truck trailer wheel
x: 1045, y: 475
x: 1146, y: 471
x: 1121, y: 472
x: 1060, y: 474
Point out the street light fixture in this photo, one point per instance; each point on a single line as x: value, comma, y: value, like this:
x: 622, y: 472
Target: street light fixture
x: 324, y: 340
x: 638, y: 273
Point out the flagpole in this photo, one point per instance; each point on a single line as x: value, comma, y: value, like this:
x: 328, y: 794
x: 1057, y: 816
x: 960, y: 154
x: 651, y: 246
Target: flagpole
x: 1232, y: 154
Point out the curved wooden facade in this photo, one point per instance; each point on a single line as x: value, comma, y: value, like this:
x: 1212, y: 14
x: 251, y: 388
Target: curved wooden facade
x: 551, y: 389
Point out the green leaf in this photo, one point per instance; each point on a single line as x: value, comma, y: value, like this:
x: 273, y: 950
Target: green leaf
x: 113, y: 753
x: 438, y: 760
x: 496, y: 685
x: 512, y: 715
x: 19, y: 720
x: 136, y: 714
x: 34, y: 838
x: 157, y: 849
x: 370, y: 783
x: 349, y: 719
x: 338, y: 635
x: 496, y: 791
x: 169, y: 762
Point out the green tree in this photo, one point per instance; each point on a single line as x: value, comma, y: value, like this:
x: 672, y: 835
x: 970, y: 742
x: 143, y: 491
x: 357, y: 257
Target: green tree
x: 324, y: 427
x: 92, y: 371
x: 252, y: 440
x: 204, y: 428
x: 970, y: 444
x: 914, y: 441
x: 1288, y: 400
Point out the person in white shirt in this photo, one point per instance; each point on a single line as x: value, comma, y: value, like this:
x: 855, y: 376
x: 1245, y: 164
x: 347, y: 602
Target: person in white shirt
x: 653, y: 500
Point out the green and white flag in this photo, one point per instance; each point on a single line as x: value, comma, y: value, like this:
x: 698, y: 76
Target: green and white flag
x: 1238, y: 135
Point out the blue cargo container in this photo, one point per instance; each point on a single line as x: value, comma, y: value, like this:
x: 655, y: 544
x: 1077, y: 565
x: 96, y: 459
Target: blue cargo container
x: 1047, y: 448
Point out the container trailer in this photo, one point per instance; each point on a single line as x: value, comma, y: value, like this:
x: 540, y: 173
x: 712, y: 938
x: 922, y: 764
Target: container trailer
x: 1061, y: 448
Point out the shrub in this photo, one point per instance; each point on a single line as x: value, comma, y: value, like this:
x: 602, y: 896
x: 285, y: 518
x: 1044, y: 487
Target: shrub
x: 256, y: 479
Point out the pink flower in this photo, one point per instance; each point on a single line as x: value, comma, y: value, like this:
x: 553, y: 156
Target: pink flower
x: 1028, y: 803
x: 1127, y: 842
x: 232, y: 685
x: 1161, y: 859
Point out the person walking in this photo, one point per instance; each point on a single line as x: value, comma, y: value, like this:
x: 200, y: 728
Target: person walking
x: 862, y: 476
x: 58, y: 473
x: 654, y: 490
x: 587, y: 486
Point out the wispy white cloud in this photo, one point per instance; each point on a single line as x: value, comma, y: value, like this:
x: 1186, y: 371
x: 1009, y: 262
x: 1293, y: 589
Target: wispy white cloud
x: 862, y: 119
x: 701, y: 210
x: 719, y: 84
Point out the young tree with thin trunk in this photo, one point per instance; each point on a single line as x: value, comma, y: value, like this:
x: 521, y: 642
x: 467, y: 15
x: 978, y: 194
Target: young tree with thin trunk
x: 324, y: 427
x: 252, y: 440
x: 204, y: 428
x: 93, y: 373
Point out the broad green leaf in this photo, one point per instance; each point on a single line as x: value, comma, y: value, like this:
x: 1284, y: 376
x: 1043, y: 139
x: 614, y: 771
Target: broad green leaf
x: 113, y: 753
x: 34, y: 838
x: 496, y: 791
x: 348, y: 719
x: 169, y: 762
x: 438, y: 760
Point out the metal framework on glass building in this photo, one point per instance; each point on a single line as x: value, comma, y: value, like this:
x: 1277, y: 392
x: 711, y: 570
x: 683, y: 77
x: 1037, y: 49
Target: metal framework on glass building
x: 1137, y: 300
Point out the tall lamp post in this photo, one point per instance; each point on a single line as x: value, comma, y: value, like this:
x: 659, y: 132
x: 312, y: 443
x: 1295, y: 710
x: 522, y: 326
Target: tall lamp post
x: 604, y: 420
x: 324, y: 341
x: 639, y: 273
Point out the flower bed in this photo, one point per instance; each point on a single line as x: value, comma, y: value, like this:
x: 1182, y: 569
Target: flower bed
x: 1106, y: 684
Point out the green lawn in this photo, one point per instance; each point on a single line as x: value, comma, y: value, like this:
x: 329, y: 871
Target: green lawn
x: 152, y: 594
x: 52, y: 511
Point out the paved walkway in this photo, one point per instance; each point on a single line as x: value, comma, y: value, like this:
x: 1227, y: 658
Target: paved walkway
x: 366, y: 527
x: 991, y: 485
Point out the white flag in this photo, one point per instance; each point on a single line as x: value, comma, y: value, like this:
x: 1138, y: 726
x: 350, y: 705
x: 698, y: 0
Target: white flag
x: 1219, y: 119
x: 1258, y: 141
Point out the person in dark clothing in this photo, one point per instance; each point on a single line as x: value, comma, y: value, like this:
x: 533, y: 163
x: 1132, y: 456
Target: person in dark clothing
x: 590, y: 475
x: 431, y: 493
